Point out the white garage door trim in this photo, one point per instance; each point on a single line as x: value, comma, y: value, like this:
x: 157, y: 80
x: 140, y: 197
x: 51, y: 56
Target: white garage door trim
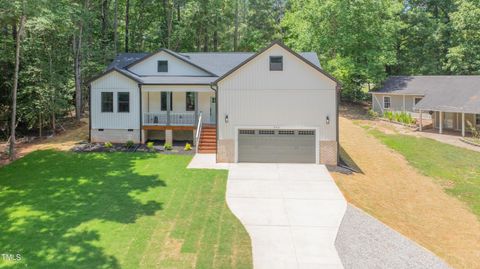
x: 317, y: 136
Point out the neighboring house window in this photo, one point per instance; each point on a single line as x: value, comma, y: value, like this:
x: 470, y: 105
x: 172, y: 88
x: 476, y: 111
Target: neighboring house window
x: 107, y: 101
x: 477, y: 119
x: 386, y: 102
x: 276, y: 63
x: 162, y: 66
x: 417, y: 99
x: 164, y: 101
x: 190, y: 101
x: 123, y: 102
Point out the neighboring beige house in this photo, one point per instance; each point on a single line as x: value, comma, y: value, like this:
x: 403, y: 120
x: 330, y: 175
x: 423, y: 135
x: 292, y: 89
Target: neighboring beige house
x: 450, y: 101
x: 272, y: 106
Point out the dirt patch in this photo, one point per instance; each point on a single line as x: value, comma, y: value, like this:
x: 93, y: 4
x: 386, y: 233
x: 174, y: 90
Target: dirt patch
x: 74, y: 134
x: 414, y: 205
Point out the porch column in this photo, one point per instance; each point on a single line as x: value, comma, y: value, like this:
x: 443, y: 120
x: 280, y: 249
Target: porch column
x: 421, y: 121
x: 196, y: 108
x: 169, y: 101
x: 441, y: 121
x: 463, y: 124
x: 403, y: 103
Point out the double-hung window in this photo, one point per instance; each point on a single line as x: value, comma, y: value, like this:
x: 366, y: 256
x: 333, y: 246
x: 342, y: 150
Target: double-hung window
x: 123, y: 101
x: 162, y: 66
x: 386, y: 102
x: 190, y: 101
x: 107, y: 101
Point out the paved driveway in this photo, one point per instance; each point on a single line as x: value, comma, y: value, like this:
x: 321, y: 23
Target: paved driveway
x: 291, y: 211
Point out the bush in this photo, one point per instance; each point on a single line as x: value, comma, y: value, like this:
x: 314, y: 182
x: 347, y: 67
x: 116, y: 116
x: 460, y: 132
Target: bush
x: 372, y: 114
x: 129, y: 144
x: 168, y: 146
x: 188, y: 147
x: 402, y: 117
x: 473, y: 130
x: 150, y: 145
x: 388, y: 115
x: 108, y: 145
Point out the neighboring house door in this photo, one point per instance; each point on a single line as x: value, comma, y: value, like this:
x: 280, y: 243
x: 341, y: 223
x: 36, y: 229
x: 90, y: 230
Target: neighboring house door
x: 276, y: 146
x: 213, y: 110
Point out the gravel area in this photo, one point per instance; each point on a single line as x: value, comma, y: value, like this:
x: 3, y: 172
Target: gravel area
x: 364, y: 242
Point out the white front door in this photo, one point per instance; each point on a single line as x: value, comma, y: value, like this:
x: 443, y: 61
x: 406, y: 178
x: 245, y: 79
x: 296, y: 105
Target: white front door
x: 213, y: 109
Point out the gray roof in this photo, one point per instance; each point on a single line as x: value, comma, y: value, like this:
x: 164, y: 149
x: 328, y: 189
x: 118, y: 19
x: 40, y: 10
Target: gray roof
x: 441, y: 93
x: 218, y: 63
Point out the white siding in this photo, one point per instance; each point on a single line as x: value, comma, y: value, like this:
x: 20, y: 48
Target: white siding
x: 298, y: 96
x: 396, y: 102
x: 115, y: 82
x: 176, y: 67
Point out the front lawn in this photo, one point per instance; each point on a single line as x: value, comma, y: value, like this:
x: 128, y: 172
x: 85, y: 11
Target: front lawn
x: 119, y: 210
x: 457, y: 169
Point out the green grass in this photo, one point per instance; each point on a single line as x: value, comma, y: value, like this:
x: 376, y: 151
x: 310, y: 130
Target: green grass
x: 456, y: 168
x: 120, y: 210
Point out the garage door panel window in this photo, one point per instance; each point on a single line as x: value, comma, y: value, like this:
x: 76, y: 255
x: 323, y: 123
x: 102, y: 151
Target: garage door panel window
x: 306, y: 132
x: 266, y: 132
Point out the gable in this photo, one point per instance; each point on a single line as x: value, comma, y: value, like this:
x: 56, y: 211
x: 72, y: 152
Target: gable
x: 114, y: 80
x: 176, y: 66
x: 297, y: 73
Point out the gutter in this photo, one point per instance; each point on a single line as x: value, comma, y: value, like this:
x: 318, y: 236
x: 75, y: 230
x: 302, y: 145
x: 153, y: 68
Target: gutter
x: 90, y: 113
x: 140, y: 109
x: 338, y: 90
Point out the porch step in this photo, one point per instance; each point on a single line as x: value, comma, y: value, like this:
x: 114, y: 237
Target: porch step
x: 208, y: 140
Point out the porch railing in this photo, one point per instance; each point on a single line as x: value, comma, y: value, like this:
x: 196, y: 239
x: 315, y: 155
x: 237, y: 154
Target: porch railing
x: 198, y: 132
x: 171, y: 119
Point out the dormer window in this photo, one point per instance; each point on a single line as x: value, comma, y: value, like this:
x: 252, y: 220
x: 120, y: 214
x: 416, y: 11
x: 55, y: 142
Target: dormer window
x: 162, y: 66
x: 276, y: 63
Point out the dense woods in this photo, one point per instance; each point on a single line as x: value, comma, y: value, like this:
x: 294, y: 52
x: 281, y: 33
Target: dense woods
x: 63, y: 43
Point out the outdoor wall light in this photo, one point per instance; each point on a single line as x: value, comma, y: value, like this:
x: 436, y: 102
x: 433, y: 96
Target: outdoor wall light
x: 226, y: 118
x: 328, y: 120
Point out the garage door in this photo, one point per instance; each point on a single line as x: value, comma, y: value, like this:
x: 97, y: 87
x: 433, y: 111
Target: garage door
x: 276, y: 146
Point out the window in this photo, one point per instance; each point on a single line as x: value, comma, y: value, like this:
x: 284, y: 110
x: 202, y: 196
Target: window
x: 162, y: 66
x: 123, y: 102
x: 276, y: 63
x: 477, y: 117
x: 417, y: 99
x: 164, y: 101
x: 107, y: 101
x: 266, y: 132
x: 386, y: 102
x: 306, y: 132
x: 190, y: 101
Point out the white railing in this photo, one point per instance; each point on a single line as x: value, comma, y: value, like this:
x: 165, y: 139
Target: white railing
x: 163, y: 118
x: 198, y: 132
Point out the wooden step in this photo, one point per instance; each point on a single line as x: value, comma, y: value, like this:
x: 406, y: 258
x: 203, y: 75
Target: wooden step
x: 206, y: 151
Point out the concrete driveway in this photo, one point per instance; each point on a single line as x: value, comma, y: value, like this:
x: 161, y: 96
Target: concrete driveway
x: 291, y: 211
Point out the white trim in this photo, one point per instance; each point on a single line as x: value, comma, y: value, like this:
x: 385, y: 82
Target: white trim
x: 317, y: 136
x: 399, y: 94
x: 390, y: 103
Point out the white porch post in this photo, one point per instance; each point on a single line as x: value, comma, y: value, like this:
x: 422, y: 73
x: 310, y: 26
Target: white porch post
x: 403, y: 103
x: 421, y: 121
x: 196, y: 108
x: 441, y: 122
x: 169, y: 101
x: 463, y: 124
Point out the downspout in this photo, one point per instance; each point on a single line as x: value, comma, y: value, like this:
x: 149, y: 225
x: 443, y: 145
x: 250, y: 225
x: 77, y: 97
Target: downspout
x: 140, y: 123
x: 90, y: 113
x: 214, y: 87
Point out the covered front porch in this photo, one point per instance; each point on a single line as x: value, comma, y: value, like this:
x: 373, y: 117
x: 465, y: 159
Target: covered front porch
x: 451, y: 122
x: 176, y: 113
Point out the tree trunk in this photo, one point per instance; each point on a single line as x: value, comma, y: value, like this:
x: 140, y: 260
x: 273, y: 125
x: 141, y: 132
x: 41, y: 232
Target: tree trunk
x: 15, y: 86
x: 235, y: 32
x: 115, y: 28
x: 77, y: 47
x: 127, y: 11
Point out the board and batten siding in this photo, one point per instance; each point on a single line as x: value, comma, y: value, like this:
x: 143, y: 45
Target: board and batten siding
x: 176, y: 67
x: 396, y: 102
x: 298, y: 96
x: 115, y: 82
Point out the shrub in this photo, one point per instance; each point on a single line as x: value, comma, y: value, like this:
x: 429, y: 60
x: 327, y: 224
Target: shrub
x: 168, y: 146
x: 188, y: 147
x: 150, y: 145
x: 108, y: 145
x: 372, y: 114
x: 129, y: 144
x: 388, y: 115
x: 473, y: 130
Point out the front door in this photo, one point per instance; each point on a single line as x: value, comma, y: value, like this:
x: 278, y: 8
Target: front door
x: 213, y: 110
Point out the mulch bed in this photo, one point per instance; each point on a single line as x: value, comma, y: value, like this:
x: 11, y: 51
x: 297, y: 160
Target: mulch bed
x: 100, y: 147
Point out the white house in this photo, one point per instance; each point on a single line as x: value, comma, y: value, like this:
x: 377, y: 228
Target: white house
x: 272, y: 106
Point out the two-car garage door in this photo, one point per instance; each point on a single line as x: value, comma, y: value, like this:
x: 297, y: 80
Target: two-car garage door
x: 276, y: 146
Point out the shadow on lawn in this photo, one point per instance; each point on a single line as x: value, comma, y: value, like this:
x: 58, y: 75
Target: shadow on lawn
x: 46, y: 195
